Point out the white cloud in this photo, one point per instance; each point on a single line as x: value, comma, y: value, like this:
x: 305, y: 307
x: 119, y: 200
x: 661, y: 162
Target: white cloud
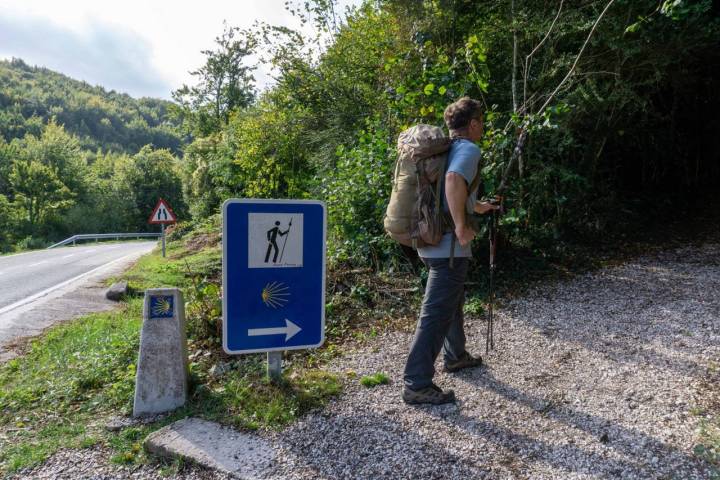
x: 142, y: 47
x: 114, y: 58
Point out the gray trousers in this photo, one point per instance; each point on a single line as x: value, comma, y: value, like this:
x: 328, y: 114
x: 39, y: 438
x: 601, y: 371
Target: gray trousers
x: 441, y: 323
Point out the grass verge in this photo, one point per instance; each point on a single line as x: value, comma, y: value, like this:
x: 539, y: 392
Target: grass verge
x: 79, y: 375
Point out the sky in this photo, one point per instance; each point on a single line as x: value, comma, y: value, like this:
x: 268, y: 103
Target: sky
x: 140, y: 47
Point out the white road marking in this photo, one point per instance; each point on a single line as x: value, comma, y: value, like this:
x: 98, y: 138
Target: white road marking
x: 38, y: 263
x: 34, y: 297
x: 68, y: 256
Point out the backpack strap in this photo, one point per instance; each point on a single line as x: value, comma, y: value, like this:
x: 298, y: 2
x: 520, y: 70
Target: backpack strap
x: 471, y: 188
x: 440, y: 190
x: 453, y: 237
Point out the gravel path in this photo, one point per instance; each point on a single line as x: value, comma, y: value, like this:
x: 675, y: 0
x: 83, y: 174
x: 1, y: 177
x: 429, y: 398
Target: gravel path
x: 591, y: 378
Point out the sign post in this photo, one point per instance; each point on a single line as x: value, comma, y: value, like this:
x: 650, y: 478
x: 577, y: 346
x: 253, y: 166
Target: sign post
x: 273, y: 277
x: 162, y: 214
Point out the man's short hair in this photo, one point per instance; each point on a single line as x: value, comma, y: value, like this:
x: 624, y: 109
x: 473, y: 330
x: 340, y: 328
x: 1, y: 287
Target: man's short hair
x: 459, y: 114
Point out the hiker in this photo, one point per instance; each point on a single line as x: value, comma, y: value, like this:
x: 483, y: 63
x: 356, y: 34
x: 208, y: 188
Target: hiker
x: 440, y: 325
x: 272, y: 235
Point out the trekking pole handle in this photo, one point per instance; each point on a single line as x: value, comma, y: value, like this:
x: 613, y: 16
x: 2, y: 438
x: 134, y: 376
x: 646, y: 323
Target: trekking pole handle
x: 498, y: 200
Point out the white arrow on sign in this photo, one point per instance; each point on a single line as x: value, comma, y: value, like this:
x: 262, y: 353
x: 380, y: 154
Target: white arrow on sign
x: 289, y: 330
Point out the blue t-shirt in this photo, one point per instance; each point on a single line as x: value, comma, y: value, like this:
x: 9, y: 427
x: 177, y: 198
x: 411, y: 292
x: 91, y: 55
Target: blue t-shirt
x: 463, y: 159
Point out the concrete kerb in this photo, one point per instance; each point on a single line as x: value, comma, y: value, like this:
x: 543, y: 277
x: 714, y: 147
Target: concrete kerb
x: 240, y: 455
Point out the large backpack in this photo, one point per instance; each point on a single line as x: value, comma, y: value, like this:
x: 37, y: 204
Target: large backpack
x: 414, y: 216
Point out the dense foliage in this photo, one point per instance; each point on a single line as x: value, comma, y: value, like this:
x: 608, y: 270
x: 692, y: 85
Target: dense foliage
x: 50, y: 188
x: 616, y: 97
x: 609, y: 101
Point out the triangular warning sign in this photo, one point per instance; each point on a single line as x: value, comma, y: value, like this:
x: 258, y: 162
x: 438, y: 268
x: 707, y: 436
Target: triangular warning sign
x: 162, y: 213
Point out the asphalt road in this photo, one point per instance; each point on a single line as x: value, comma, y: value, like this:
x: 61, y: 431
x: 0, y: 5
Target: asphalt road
x: 31, y: 275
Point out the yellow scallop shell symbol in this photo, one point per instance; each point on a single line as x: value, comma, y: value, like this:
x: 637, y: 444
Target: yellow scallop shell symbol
x: 275, y: 294
x: 162, y: 307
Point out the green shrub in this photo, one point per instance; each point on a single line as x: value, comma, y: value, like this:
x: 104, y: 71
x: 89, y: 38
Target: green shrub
x: 32, y: 243
x: 357, y: 192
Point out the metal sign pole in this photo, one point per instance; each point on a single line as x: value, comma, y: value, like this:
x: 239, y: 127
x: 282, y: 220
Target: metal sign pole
x: 274, y: 365
x: 162, y: 230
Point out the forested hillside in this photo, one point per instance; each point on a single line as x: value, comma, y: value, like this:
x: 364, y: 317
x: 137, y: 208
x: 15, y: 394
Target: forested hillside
x: 111, y: 121
x: 77, y: 159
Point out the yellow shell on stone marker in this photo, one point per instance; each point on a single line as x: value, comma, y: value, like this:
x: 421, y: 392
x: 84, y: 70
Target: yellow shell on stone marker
x: 162, y: 307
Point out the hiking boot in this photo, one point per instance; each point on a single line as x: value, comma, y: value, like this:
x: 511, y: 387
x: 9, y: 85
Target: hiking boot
x: 465, y: 361
x: 432, y: 394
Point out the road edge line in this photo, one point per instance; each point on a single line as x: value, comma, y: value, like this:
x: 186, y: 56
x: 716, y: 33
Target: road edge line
x: 47, y: 291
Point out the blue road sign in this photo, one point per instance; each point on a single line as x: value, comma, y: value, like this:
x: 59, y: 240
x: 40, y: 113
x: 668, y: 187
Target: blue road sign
x: 273, y: 275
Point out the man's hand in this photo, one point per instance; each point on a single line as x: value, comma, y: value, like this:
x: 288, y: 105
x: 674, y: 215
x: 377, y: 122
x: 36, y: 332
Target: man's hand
x: 464, y: 234
x: 484, y: 207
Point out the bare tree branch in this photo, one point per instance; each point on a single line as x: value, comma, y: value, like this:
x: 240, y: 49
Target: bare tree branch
x: 528, y: 58
x: 577, y: 59
x: 523, y: 130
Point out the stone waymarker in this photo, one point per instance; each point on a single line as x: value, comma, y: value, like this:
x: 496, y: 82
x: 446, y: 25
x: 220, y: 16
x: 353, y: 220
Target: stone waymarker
x: 237, y: 454
x: 162, y: 370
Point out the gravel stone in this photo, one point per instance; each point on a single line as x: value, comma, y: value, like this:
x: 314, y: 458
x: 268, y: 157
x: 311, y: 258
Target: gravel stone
x: 591, y: 378
x: 94, y: 464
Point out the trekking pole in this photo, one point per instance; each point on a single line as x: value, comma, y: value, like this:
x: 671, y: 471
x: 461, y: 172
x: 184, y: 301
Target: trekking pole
x: 492, y: 237
x: 489, y: 341
x: 286, y: 237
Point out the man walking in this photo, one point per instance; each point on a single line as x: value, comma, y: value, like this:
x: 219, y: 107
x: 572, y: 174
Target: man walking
x: 272, y: 235
x: 441, y: 323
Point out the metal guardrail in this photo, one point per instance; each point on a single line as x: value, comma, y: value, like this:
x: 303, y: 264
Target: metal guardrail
x: 99, y: 236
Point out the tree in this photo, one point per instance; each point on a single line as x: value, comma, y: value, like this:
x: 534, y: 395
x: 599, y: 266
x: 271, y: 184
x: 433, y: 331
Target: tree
x: 8, y: 152
x: 108, y: 204
x: 224, y: 84
x: 8, y: 223
x: 150, y: 175
x: 59, y: 151
x: 38, y: 191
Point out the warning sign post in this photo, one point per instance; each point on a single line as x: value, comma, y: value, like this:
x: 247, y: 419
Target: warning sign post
x: 162, y: 214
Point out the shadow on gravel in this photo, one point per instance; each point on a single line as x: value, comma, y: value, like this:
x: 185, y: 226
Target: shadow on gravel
x: 628, y: 312
x: 629, y: 443
x: 368, y: 445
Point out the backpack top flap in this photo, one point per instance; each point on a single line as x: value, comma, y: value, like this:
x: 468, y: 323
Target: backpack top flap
x: 422, y: 141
